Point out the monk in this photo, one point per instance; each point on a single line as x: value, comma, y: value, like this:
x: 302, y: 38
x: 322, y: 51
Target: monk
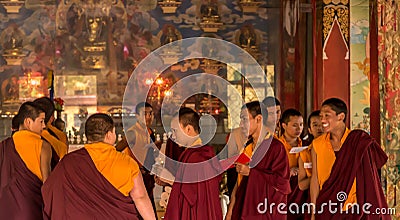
x: 138, y: 137
x: 236, y: 142
x: 58, y: 147
x: 273, y: 106
x: 345, y: 168
x: 266, y: 177
x: 195, y: 190
x: 24, y: 166
x: 292, y: 128
x: 96, y: 182
x: 314, y: 130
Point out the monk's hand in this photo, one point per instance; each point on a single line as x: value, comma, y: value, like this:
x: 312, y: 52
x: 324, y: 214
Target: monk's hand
x: 294, y: 171
x: 242, y: 169
x: 162, y: 182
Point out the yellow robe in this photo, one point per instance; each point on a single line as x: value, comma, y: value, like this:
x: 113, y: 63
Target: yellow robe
x: 57, y: 145
x: 29, y: 147
x: 118, y: 168
x: 326, y: 158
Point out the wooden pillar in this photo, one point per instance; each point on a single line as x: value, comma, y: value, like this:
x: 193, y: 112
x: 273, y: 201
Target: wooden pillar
x: 331, y: 53
x: 375, y: 111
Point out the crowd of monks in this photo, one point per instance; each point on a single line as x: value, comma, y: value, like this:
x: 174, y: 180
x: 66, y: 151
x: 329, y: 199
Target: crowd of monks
x: 287, y: 176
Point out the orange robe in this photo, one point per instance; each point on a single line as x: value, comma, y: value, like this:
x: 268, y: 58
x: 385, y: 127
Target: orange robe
x: 326, y: 158
x: 59, y: 134
x: 29, y: 146
x: 305, y: 156
x: 118, y: 168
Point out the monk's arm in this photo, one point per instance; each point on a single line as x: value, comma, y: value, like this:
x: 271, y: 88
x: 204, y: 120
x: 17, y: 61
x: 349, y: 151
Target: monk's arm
x: 45, y: 160
x: 314, y: 186
x: 141, y: 199
x: 231, y: 203
x: 303, y: 180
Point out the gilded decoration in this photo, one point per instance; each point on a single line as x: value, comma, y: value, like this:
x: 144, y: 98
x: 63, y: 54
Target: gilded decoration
x: 339, y: 12
x: 389, y: 66
x: 336, y: 2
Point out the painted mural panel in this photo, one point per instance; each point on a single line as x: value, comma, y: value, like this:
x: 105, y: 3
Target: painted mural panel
x: 359, y: 65
x: 389, y: 64
x: 108, y: 39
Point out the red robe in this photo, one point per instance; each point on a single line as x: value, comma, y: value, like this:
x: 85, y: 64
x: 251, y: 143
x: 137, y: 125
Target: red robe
x: 77, y: 190
x: 268, y: 180
x: 360, y: 157
x: 172, y: 152
x: 192, y: 198
x: 20, y: 196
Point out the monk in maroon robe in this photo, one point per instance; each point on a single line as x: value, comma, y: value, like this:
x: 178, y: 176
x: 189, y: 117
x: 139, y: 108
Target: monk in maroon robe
x: 265, y: 180
x: 196, y: 200
x: 71, y: 195
x: 195, y: 191
x: 97, y: 182
x: 364, y: 156
x: 20, y: 196
x: 24, y: 166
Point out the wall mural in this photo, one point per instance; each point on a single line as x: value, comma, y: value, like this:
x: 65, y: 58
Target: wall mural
x: 359, y: 65
x: 389, y: 66
x: 108, y: 38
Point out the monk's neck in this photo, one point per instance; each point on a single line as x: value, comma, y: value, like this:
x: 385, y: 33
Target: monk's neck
x: 292, y: 141
x: 260, y: 134
x: 337, y: 134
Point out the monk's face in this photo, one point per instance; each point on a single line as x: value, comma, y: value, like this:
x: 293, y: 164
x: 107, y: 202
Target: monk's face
x: 315, y: 126
x: 293, y: 127
x: 179, y: 133
x: 248, y: 123
x: 146, y: 116
x: 36, y: 125
x: 274, y: 114
x: 329, y: 119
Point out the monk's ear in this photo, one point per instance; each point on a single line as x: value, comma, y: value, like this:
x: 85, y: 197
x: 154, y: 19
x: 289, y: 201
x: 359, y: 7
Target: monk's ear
x: 341, y: 116
x: 27, y: 123
x: 189, y: 130
x: 259, y: 118
x: 284, y: 125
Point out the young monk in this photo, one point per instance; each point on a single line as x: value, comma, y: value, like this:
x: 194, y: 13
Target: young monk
x: 345, y: 168
x: 292, y: 127
x: 58, y: 147
x: 195, y: 190
x: 97, y: 182
x: 24, y: 166
x: 314, y: 130
x: 266, y: 177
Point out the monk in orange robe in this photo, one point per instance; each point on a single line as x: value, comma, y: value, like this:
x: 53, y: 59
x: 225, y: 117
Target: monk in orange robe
x: 136, y: 144
x: 96, y: 182
x: 24, y: 166
x: 266, y: 177
x: 59, y: 148
x: 345, y: 168
x: 305, y: 164
x: 292, y: 127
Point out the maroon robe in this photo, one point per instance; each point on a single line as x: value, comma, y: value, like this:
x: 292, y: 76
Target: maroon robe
x: 297, y: 196
x: 191, y: 199
x: 359, y: 157
x: 268, y: 181
x: 77, y: 190
x: 20, y: 196
x: 172, y: 152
